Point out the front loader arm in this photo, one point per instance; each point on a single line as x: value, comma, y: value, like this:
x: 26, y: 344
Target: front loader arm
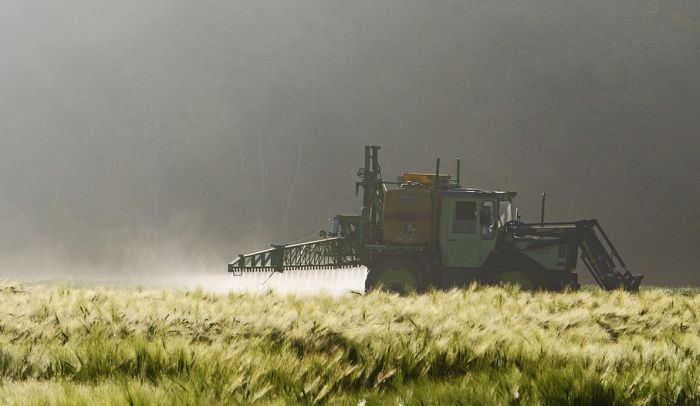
x: 597, y: 251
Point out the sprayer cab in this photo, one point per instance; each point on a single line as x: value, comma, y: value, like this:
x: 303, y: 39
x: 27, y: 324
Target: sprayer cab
x: 426, y: 229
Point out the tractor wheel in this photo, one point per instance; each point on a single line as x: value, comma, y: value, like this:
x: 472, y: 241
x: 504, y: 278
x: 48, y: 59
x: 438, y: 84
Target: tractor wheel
x: 396, y: 275
x: 526, y: 280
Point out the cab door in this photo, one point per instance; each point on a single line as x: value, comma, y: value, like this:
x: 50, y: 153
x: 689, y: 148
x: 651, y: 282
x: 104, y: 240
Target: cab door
x: 461, y: 234
x: 488, y: 228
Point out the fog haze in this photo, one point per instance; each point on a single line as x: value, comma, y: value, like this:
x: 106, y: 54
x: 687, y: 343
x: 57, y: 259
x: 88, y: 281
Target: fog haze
x: 147, y: 137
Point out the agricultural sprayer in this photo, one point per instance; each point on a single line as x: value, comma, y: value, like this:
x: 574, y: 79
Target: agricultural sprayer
x: 426, y: 230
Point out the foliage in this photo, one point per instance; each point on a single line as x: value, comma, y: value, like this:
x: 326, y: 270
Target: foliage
x: 79, y: 345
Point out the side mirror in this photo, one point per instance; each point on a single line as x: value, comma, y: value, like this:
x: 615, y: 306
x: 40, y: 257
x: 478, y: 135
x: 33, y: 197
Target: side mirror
x: 485, y: 217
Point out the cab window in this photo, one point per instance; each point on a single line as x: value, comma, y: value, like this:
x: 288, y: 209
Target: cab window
x: 464, y: 220
x: 504, y: 212
x: 487, y: 214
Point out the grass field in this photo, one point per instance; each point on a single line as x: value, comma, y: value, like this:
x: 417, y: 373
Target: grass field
x: 61, y: 344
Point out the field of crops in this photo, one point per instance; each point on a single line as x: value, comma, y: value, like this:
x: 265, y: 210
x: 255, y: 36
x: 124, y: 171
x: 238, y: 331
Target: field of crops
x: 81, y: 345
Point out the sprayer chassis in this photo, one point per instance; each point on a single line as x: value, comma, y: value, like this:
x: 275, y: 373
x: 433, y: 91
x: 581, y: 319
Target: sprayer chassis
x: 470, y: 239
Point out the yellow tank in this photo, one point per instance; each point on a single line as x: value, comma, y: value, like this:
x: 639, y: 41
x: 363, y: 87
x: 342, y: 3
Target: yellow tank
x: 424, y: 178
x: 407, y: 216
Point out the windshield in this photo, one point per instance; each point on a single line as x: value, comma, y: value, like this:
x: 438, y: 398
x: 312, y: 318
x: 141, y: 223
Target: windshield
x: 505, y: 213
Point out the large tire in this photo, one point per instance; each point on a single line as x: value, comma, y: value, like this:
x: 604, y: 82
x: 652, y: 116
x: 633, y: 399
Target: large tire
x: 515, y: 271
x: 397, y: 275
x: 526, y: 280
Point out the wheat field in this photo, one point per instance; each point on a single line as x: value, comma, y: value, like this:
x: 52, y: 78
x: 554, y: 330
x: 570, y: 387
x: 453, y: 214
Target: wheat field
x: 62, y: 344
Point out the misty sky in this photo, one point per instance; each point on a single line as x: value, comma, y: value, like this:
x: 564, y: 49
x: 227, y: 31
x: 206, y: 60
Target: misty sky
x: 145, y: 135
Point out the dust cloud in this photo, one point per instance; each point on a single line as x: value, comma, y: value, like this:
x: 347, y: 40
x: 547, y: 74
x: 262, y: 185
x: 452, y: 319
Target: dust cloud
x: 143, y: 139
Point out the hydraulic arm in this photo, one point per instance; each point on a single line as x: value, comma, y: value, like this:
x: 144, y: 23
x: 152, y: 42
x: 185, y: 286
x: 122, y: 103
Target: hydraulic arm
x: 597, y: 251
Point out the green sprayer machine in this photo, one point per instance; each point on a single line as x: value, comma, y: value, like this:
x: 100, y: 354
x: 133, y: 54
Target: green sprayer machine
x: 426, y: 230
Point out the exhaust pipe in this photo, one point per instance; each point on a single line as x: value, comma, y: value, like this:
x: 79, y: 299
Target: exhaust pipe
x: 544, y: 197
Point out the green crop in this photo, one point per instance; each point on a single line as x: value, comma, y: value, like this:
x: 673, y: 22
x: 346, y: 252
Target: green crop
x: 81, y: 345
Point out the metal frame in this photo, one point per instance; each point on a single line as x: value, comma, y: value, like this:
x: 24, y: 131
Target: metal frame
x: 320, y: 254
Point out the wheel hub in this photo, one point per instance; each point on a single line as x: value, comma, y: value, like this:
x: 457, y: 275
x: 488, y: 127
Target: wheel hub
x: 397, y: 279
